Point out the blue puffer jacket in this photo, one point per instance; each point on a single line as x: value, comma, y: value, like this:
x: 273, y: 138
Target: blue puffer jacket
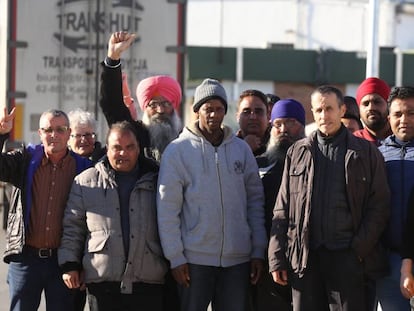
x: 399, y: 159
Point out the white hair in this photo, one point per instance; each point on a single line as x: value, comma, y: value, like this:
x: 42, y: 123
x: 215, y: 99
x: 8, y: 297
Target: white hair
x: 79, y: 117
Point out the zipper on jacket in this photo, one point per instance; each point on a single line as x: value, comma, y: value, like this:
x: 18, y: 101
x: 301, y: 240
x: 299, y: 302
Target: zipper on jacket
x: 221, y: 200
x: 403, y: 152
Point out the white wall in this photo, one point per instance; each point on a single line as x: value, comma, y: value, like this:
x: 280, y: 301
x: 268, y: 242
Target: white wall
x: 308, y: 24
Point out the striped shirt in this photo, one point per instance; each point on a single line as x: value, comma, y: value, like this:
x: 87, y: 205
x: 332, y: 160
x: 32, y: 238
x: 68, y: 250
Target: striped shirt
x: 51, y: 187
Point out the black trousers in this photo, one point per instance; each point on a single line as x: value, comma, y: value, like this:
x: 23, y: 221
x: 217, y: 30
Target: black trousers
x: 106, y: 296
x: 333, y: 280
x: 267, y: 295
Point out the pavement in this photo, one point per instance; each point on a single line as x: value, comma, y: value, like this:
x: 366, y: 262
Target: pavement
x: 4, y: 289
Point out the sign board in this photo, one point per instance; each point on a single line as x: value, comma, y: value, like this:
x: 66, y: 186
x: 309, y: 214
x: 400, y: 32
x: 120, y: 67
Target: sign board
x: 67, y: 39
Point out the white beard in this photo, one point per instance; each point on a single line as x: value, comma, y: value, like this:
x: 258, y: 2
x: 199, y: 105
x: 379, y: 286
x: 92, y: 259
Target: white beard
x: 162, y: 132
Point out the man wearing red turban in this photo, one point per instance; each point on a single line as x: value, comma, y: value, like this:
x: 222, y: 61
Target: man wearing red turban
x: 159, y: 97
x: 371, y: 96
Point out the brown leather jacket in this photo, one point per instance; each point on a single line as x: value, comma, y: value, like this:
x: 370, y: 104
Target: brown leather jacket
x: 368, y: 197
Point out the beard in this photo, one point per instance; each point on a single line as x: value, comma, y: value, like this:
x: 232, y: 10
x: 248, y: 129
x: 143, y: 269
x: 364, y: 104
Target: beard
x: 376, y: 124
x: 162, y: 130
x: 278, y: 146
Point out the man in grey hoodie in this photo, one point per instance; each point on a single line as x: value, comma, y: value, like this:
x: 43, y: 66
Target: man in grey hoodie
x: 210, y: 209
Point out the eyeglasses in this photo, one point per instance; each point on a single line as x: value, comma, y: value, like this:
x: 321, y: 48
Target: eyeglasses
x: 57, y: 129
x: 85, y: 136
x: 156, y: 104
x: 257, y: 112
x: 288, y: 123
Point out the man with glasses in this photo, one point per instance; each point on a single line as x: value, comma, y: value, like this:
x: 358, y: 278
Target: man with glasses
x: 42, y: 176
x: 159, y: 98
x: 253, y: 121
x: 83, y: 137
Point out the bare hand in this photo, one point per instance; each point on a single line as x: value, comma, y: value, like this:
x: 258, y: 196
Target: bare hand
x: 6, y: 122
x: 72, y: 279
x: 256, y: 270
x: 119, y: 42
x: 407, y: 285
x: 280, y: 277
x: 182, y: 275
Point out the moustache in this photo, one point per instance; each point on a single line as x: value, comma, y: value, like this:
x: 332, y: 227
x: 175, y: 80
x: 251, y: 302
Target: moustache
x: 284, y: 135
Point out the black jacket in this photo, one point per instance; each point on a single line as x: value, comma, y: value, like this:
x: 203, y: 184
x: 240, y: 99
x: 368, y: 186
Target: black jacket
x: 112, y: 104
x: 368, y: 198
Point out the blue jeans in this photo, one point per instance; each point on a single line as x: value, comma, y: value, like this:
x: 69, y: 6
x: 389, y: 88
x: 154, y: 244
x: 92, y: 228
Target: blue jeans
x: 388, y: 289
x: 29, y: 277
x: 226, y: 288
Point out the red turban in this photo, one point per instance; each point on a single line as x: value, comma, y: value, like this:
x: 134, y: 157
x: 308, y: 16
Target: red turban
x: 164, y: 86
x: 372, y: 86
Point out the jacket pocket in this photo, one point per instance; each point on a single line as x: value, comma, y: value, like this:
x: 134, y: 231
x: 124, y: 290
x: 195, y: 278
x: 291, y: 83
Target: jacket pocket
x: 376, y: 263
x: 238, y: 242
x: 154, y: 265
x: 97, y: 260
x: 297, y: 178
x: 97, y: 241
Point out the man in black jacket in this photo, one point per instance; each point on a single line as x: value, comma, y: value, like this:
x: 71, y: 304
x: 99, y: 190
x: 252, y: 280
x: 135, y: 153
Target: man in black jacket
x: 159, y: 98
x: 332, y: 207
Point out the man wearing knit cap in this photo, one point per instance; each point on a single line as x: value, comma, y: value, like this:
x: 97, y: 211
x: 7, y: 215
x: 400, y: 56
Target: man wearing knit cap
x: 331, y: 209
x: 287, y: 126
x: 210, y: 209
x: 159, y: 97
x: 253, y: 120
x: 372, y: 95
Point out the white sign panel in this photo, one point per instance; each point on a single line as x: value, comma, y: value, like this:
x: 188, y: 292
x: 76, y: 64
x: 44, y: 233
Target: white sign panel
x: 67, y: 39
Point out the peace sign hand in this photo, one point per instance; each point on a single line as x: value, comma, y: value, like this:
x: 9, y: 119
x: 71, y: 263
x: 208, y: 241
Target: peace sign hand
x: 6, y: 122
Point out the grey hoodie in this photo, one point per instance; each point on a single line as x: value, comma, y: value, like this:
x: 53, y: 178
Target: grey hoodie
x: 210, y: 201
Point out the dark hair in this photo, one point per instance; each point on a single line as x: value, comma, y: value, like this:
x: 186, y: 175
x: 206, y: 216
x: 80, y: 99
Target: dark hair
x: 55, y: 113
x: 400, y: 92
x: 256, y: 93
x: 272, y: 99
x: 123, y: 126
x: 329, y: 89
x: 351, y: 106
x: 351, y: 116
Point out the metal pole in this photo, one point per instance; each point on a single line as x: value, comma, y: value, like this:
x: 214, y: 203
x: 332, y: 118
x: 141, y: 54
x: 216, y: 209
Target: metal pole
x: 97, y: 55
x: 398, y: 66
x: 372, y: 66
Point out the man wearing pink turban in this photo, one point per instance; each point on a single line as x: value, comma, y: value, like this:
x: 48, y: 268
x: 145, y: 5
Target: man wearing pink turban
x: 162, y: 86
x: 159, y: 98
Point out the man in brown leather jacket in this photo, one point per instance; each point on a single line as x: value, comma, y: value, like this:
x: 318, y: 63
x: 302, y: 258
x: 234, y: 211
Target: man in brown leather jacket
x: 331, y: 210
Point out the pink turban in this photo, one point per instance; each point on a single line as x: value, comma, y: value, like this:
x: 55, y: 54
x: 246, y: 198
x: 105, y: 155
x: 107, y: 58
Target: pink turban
x: 164, y: 86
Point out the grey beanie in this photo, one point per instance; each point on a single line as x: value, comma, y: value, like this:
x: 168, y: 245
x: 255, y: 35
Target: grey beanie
x: 209, y: 89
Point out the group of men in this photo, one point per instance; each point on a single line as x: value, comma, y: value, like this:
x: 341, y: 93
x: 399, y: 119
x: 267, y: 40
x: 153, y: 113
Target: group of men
x: 207, y: 204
